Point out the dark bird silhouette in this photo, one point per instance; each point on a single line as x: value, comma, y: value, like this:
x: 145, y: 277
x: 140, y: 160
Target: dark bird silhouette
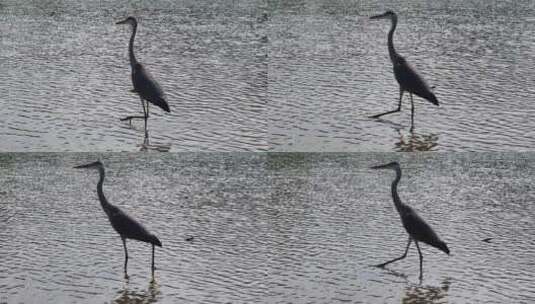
x: 416, y: 227
x: 406, y: 76
x: 144, y: 85
x: 126, y: 226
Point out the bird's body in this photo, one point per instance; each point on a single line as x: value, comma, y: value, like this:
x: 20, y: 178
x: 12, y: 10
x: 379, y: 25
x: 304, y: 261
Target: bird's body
x: 419, y: 230
x: 416, y: 227
x: 144, y: 85
x: 406, y: 76
x: 411, y: 82
x: 126, y: 226
x: 147, y: 88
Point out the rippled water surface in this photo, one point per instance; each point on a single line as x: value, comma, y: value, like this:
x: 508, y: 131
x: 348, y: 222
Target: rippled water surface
x: 58, y: 246
x: 267, y: 228
x: 329, y: 70
x: 65, y: 77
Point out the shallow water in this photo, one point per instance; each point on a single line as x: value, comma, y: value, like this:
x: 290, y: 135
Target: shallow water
x: 66, y: 76
x: 329, y: 70
x: 267, y: 228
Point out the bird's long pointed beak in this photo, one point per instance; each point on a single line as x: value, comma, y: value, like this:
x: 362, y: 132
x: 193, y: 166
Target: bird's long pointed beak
x: 386, y: 166
x: 121, y: 22
x: 378, y: 167
x: 378, y: 16
x: 93, y: 164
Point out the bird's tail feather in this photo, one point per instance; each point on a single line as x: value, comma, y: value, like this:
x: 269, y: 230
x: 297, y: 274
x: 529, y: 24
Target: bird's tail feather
x: 160, y: 102
x: 432, y: 98
x: 442, y: 246
x: 155, y: 241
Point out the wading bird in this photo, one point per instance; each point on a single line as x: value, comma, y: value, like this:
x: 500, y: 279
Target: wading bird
x: 144, y: 85
x: 407, y: 78
x: 126, y: 226
x: 416, y: 227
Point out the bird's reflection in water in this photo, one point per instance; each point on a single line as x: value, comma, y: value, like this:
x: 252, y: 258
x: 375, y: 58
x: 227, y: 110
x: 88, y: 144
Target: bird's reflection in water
x: 416, y: 294
x: 414, y: 142
x: 150, y: 295
x: 146, y: 145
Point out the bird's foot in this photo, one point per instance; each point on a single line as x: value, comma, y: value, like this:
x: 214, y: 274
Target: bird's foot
x: 380, y: 265
x: 129, y: 118
x: 385, y: 113
x: 158, y: 148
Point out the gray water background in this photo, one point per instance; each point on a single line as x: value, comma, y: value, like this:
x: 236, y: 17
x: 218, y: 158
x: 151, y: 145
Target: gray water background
x: 267, y: 228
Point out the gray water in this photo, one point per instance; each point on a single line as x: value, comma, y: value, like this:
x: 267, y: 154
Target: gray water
x: 267, y: 75
x: 66, y: 76
x: 267, y: 228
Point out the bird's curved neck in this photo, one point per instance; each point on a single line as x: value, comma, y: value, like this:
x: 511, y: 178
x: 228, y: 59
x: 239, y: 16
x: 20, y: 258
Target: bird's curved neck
x: 395, y: 196
x: 103, y: 201
x: 133, y: 60
x: 391, y: 50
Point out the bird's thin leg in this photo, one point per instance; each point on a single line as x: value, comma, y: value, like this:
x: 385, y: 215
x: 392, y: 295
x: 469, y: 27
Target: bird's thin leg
x: 146, y: 118
x: 400, y: 98
x: 152, y: 261
x: 143, y: 105
x: 421, y: 259
x: 393, y: 111
x: 129, y: 118
x: 146, y: 141
x: 145, y: 113
x: 125, y: 256
x: 397, y: 259
x: 412, y: 113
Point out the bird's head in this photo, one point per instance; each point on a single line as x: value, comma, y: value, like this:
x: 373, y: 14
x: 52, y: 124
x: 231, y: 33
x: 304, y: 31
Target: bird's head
x: 96, y: 164
x: 393, y: 165
x: 387, y: 15
x: 130, y: 20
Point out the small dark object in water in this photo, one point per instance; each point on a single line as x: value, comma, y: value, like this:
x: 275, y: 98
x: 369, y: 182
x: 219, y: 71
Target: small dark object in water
x: 487, y: 240
x: 189, y: 239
